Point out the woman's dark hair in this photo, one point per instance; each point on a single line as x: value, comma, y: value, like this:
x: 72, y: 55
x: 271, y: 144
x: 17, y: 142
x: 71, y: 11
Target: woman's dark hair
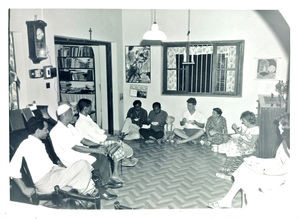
x: 33, y: 124
x: 192, y: 101
x: 249, y: 116
x: 83, y: 103
x: 156, y: 104
x: 218, y: 110
x: 137, y: 102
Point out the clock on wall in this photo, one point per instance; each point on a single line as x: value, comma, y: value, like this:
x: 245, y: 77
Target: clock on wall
x: 36, y: 40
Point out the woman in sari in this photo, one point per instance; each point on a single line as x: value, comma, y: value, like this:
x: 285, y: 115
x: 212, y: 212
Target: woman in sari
x: 216, y: 128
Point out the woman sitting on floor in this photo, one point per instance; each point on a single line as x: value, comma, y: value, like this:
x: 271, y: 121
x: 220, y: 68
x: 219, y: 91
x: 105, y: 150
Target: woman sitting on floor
x: 216, y: 128
x: 260, y: 173
x: 242, y: 143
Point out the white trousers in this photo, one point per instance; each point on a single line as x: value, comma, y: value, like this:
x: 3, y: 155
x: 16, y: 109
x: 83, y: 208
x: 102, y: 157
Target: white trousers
x: 132, y: 130
x: 77, y: 176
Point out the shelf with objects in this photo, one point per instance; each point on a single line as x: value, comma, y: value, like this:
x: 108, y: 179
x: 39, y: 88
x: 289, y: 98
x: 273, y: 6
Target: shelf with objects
x: 76, y: 74
x: 269, y: 109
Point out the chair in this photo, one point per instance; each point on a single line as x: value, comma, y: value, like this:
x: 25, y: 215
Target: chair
x: 59, y: 198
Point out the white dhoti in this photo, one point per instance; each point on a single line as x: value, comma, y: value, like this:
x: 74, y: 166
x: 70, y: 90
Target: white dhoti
x: 131, y: 130
x: 77, y: 176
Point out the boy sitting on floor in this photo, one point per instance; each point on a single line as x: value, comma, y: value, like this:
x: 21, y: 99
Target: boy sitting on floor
x: 169, y: 130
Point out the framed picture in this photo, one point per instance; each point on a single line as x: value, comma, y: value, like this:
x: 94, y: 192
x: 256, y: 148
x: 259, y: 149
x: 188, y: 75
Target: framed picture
x: 138, y: 64
x: 266, y: 68
x: 138, y: 91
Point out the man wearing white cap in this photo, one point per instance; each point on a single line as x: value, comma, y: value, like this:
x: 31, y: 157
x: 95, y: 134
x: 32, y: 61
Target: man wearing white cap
x: 70, y: 146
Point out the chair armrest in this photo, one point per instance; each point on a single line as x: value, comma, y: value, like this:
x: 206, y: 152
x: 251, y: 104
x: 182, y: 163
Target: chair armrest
x: 75, y: 195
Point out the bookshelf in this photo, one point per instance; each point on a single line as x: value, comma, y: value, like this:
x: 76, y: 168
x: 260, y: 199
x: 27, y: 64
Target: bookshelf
x: 76, y: 74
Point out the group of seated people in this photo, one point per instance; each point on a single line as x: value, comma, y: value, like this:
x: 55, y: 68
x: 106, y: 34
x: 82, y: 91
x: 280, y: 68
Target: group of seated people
x: 85, y: 150
x: 212, y: 133
x: 238, y: 147
x: 195, y: 128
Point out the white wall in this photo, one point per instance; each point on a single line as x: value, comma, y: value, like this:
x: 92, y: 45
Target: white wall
x: 126, y: 27
x: 106, y: 26
x: 206, y: 25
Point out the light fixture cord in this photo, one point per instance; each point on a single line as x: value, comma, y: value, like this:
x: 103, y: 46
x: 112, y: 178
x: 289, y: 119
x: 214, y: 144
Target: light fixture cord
x: 188, y: 38
x: 154, y: 15
x: 189, y: 25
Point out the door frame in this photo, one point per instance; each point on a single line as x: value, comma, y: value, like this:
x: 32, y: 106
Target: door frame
x: 63, y: 40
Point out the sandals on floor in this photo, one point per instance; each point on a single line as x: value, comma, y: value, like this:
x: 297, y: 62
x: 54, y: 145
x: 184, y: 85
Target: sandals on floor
x: 224, y: 176
x: 217, y: 204
x: 118, y: 179
x: 129, y: 162
x: 149, y: 141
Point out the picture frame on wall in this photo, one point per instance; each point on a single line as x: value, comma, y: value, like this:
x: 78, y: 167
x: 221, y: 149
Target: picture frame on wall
x: 138, y: 91
x: 138, y: 64
x: 266, y: 68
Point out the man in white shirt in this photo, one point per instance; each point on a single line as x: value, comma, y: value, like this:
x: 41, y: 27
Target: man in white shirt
x: 193, y: 123
x: 70, y: 146
x: 44, y: 173
x: 91, y: 131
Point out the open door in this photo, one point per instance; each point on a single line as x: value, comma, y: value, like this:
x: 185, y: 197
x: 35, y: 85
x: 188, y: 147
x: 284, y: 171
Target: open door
x: 102, y: 67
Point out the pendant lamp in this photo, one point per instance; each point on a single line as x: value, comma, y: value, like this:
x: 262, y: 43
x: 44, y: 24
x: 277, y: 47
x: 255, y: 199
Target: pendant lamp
x: 186, y: 60
x: 154, y: 33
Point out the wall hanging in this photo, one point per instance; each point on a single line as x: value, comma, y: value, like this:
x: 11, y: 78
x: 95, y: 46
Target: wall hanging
x: 266, y: 68
x: 138, y: 91
x: 138, y: 64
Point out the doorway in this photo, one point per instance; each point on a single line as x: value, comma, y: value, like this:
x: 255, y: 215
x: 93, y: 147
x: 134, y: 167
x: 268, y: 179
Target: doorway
x: 103, y: 77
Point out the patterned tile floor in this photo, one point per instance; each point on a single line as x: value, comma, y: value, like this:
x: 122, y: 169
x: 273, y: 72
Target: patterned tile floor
x: 171, y: 177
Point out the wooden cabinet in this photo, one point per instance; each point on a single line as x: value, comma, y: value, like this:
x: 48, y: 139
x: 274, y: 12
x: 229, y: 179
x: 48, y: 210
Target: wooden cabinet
x: 268, y: 111
x: 76, y: 71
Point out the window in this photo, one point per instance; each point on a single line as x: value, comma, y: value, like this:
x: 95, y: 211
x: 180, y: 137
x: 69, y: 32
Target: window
x: 216, y: 68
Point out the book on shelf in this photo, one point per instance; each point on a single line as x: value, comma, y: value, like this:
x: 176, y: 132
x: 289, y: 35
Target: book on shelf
x: 76, y: 51
x: 77, y: 62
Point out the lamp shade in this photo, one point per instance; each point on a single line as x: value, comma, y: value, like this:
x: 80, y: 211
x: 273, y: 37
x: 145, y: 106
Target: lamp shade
x: 154, y: 33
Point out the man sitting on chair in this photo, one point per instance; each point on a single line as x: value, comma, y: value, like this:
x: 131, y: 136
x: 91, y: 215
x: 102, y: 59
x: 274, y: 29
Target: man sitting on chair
x: 90, y: 130
x: 44, y: 173
x: 70, y: 146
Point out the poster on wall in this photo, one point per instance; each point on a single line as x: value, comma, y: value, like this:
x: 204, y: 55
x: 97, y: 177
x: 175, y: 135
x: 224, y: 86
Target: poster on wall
x: 138, y: 64
x: 138, y: 91
x: 266, y: 68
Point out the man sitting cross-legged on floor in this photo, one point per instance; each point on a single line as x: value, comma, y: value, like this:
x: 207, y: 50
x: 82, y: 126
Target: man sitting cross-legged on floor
x: 157, y: 118
x: 44, y: 173
x: 193, y: 122
x: 135, y: 119
x: 70, y: 146
x: 90, y: 130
